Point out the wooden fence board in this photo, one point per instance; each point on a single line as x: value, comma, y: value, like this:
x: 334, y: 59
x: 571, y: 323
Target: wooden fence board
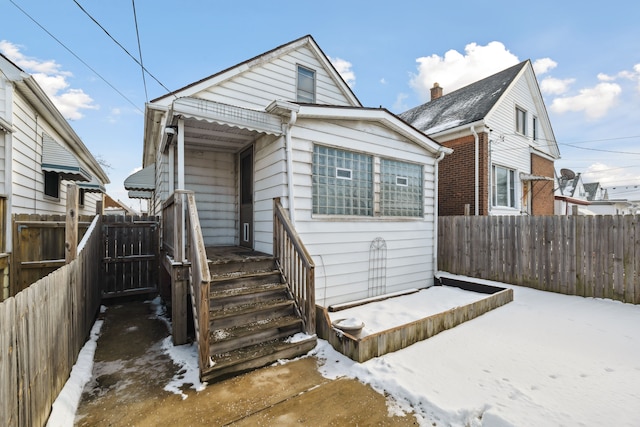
x: 591, y: 256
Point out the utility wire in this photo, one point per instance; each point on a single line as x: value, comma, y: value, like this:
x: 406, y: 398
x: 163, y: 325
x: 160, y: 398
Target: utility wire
x: 76, y: 56
x: 144, y: 80
x: 120, y: 45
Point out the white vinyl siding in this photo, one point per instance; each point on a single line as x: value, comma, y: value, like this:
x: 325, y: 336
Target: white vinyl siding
x: 212, y: 177
x: 259, y: 86
x: 340, y: 245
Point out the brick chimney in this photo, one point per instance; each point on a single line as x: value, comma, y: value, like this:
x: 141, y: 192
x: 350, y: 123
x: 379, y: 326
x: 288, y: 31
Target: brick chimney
x: 436, y: 91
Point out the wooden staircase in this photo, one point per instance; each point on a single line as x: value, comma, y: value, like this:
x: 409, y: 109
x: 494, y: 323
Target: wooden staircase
x: 252, y: 317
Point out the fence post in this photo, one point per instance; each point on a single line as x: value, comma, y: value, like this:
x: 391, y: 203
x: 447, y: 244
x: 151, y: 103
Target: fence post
x: 71, y: 225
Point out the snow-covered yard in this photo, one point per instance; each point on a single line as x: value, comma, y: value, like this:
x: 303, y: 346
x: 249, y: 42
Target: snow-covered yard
x: 544, y: 359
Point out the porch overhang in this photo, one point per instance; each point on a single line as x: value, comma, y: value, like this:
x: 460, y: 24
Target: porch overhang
x: 56, y: 158
x: 139, y: 194
x: 214, y: 125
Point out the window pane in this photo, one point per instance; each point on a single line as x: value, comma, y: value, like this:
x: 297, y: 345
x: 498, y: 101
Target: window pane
x: 333, y: 192
x: 504, y: 190
x: 306, y: 85
x: 400, y: 188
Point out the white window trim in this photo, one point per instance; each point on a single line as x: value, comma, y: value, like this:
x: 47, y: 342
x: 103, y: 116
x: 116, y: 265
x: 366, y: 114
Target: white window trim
x: 524, y: 122
x: 494, y: 187
x: 312, y: 71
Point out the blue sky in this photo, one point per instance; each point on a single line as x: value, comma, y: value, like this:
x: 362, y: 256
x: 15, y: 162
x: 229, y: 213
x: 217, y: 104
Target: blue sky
x: 586, y: 57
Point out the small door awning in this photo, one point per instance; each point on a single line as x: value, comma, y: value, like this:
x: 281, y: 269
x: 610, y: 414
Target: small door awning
x: 530, y: 177
x: 139, y: 194
x: 143, y: 180
x: 93, y: 186
x: 56, y: 158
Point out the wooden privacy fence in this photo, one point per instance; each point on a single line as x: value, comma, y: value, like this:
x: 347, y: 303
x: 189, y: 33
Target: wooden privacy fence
x: 131, y: 252
x: 590, y: 256
x: 38, y: 247
x: 42, y: 330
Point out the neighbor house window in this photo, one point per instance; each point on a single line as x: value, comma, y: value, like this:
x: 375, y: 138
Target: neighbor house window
x: 534, y: 126
x: 52, y: 184
x: 400, y: 188
x: 504, y: 187
x: 521, y: 121
x: 342, y: 182
x: 306, y: 90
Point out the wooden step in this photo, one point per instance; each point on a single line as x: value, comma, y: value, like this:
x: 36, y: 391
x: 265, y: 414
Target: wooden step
x: 230, y: 298
x: 245, y: 280
x: 256, y: 356
x: 226, y: 339
x: 249, y: 313
x: 222, y: 268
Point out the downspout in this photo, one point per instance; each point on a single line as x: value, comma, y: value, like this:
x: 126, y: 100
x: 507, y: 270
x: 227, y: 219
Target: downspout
x: 476, y: 210
x: 289, y: 151
x: 435, y: 215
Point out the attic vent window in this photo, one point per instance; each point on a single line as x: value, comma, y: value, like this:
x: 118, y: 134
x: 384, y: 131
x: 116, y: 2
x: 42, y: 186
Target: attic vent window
x: 343, y: 173
x: 306, y: 86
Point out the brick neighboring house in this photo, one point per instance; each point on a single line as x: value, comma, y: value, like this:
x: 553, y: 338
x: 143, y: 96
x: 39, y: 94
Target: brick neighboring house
x: 504, y: 146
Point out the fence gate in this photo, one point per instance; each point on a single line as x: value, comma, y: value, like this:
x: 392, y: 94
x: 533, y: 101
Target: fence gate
x: 131, y: 252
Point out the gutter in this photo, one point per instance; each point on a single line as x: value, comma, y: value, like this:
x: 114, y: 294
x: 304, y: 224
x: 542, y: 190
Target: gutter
x: 435, y: 214
x: 476, y: 188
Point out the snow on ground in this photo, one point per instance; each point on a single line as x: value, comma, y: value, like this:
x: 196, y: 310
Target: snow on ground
x: 544, y: 359
x: 64, y: 408
x: 389, y: 313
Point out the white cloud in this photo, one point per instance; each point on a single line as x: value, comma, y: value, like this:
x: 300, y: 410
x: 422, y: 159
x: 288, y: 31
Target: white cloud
x: 595, y: 102
x: 383, y: 81
x: 53, y: 81
x: 605, y: 77
x: 553, y: 86
x: 543, y: 65
x: 455, y: 70
x: 400, y: 104
x: 344, y: 68
x: 608, y: 175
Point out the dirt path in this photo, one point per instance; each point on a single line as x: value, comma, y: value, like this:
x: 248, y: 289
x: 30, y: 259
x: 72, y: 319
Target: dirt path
x: 131, y: 370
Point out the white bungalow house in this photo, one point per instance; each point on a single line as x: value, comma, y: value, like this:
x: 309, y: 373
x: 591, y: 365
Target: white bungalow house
x: 504, y: 146
x: 285, y: 125
x: 357, y: 183
x: 39, y: 154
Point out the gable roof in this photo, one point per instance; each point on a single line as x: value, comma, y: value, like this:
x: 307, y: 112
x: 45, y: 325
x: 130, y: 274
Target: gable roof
x: 223, y: 75
x: 464, y: 106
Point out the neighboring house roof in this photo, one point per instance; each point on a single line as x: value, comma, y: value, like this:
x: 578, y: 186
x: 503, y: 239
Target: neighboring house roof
x: 464, y: 106
x: 592, y: 191
x: 568, y: 187
x: 31, y: 90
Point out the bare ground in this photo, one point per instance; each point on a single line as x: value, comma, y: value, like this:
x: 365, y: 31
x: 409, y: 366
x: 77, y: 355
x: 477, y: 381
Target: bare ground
x: 130, y: 373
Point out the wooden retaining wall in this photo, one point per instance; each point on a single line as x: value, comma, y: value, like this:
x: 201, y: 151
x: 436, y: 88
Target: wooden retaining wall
x: 378, y: 344
x: 42, y: 330
x: 589, y: 256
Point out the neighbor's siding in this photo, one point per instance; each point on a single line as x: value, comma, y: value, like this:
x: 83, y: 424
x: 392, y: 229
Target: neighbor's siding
x: 27, y: 176
x: 212, y: 177
x: 270, y: 180
x: 259, y: 86
x: 509, y: 149
x: 340, y: 245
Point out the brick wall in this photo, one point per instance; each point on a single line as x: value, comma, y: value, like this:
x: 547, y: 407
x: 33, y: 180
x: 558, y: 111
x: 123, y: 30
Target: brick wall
x: 542, y: 191
x: 457, y: 177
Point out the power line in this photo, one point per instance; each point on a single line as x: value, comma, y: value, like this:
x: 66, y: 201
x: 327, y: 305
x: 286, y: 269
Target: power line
x: 76, y: 56
x: 120, y: 45
x: 144, y: 80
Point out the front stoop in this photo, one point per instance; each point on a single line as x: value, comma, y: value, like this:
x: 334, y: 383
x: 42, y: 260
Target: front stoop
x: 253, y: 318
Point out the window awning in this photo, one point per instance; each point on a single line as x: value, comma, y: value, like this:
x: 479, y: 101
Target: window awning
x: 139, y: 194
x: 93, y: 186
x: 143, y: 180
x: 56, y: 158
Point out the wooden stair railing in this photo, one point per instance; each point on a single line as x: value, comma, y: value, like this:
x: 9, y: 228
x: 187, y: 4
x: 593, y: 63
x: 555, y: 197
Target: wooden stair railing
x: 183, y: 237
x: 295, y: 264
